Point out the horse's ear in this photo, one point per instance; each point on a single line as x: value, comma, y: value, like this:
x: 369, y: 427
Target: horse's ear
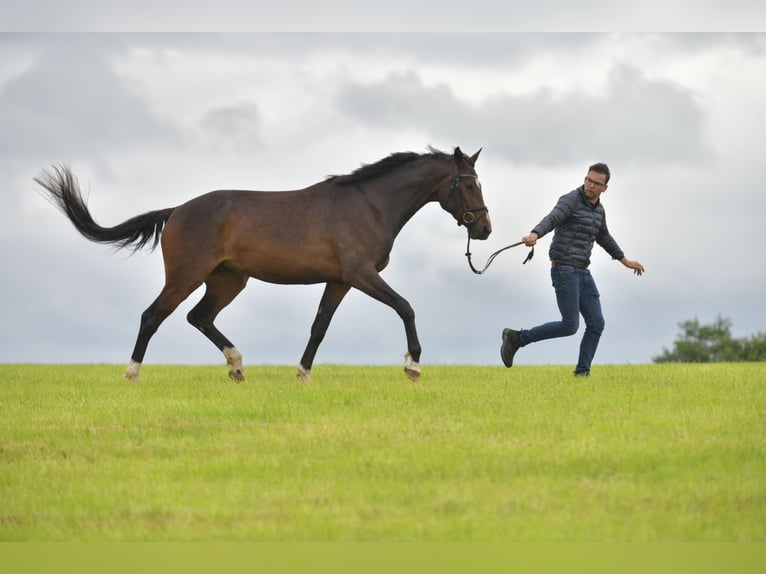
x: 458, y: 155
x: 475, y: 156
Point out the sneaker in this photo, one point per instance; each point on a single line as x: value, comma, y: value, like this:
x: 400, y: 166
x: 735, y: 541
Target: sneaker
x: 511, y: 344
x: 581, y: 374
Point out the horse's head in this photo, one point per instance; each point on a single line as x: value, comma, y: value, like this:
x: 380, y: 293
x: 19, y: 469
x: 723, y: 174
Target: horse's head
x: 464, y: 200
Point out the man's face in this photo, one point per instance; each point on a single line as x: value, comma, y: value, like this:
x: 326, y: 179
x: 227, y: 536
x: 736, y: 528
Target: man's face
x: 595, y: 185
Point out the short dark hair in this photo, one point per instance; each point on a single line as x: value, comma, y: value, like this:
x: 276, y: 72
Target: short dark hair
x: 601, y: 168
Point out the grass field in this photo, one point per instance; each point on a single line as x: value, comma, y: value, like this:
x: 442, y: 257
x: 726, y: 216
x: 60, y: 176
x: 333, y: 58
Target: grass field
x: 649, y: 453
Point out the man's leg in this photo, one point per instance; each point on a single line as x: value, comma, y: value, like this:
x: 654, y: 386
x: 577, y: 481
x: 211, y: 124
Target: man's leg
x: 590, y: 307
x: 566, y: 282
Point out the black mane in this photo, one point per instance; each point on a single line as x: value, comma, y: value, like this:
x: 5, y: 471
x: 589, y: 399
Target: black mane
x: 385, y: 165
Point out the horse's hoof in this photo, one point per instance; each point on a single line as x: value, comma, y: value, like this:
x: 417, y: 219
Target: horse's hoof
x: 412, y: 371
x: 411, y: 368
x: 303, y: 374
x: 131, y: 373
x: 236, y: 375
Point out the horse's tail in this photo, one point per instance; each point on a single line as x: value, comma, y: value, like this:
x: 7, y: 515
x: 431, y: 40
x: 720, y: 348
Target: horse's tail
x: 64, y: 192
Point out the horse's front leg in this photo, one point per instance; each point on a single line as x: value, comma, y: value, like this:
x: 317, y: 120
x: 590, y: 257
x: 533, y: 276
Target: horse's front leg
x: 331, y: 298
x: 377, y: 288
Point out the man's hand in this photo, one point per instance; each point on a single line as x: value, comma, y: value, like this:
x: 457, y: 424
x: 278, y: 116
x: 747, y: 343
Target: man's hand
x: 637, y: 268
x: 530, y: 240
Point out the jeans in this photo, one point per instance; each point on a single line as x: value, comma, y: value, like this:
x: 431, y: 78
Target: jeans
x: 576, y: 293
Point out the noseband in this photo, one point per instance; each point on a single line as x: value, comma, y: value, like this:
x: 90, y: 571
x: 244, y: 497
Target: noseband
x: 468, y: 212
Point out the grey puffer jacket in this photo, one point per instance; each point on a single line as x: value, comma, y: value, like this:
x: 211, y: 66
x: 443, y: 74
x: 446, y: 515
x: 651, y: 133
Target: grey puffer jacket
x: 578, y: 223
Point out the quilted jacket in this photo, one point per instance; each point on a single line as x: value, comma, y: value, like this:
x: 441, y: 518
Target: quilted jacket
x: 577, y: 224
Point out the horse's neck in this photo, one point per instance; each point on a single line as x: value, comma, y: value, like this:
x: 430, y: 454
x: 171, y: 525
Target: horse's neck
x: 399, y: 201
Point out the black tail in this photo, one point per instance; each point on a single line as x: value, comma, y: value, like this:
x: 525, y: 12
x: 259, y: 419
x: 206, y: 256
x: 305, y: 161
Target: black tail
x: 64, y: 192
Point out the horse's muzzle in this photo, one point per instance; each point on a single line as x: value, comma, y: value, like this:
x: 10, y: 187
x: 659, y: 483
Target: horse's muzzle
x: 480, y: 228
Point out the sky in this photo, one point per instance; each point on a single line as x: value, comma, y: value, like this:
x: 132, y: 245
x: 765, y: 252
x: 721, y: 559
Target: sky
x: 148, y: 121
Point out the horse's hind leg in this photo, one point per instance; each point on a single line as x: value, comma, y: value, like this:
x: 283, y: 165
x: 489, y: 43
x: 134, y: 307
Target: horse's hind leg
x: 167, y: 301
x: 331, y: 298
x: 223, y: 285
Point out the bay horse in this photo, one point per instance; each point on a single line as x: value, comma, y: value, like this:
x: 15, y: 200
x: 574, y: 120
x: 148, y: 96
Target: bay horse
x: 339, y: 231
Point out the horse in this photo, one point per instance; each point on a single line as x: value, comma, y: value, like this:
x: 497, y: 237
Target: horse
x: 339, y: 231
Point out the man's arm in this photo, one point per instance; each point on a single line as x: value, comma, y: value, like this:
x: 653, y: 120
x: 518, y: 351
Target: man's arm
x: 563, y: 209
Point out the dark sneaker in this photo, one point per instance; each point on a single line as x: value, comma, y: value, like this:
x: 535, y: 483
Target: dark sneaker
x: 581, y: 374
x: 511, y: 344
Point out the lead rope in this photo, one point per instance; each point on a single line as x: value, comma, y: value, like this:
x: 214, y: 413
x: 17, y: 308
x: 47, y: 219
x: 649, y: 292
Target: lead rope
x: 495, y: 254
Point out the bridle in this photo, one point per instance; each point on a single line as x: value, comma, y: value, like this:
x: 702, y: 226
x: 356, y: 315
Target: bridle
x: 529, y: 257
x: 468, y: 216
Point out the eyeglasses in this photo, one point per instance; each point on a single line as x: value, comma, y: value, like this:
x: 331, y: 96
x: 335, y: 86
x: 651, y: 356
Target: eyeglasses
x: 594, y: 183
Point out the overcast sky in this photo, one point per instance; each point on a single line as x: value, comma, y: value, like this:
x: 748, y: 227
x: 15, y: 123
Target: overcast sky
x: 148, y: 121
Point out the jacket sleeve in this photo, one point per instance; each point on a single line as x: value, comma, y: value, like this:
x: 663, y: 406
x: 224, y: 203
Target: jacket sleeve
x: 563, y: 209
x: 605, y: 240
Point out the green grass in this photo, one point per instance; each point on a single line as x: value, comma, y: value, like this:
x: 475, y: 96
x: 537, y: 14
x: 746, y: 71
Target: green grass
x: 635, y: 453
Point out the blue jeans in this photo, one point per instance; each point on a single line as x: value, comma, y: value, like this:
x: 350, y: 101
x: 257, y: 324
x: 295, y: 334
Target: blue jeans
x: 576, y: 293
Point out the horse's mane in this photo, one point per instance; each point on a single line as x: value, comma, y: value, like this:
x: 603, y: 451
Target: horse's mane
x: 385, y: 165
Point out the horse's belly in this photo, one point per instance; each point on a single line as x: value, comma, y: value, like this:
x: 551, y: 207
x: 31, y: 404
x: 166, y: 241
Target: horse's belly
x: 293, y: 267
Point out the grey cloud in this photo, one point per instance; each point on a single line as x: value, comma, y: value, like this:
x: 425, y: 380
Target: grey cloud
x: 477, y: 50
x: 701, y: 42
x: 236, y: 127
x: 70, y: 104
x: 80, y: 15
x: 544, y: 128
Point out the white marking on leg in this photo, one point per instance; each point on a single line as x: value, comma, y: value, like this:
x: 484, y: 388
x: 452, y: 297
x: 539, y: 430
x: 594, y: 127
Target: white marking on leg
x: 131, y: 373
x: 303, y: 374
x: 234, y: 361
x: 411, y: 368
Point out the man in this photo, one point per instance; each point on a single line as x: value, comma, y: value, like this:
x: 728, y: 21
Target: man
x: 578, y: 219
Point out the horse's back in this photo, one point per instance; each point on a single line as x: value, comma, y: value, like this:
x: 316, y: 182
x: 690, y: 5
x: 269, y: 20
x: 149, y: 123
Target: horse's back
x: 236, y: 209
x: 281, y: 236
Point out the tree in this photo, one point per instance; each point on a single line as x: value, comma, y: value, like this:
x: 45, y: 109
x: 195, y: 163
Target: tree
x: 712, y: 343
x: 754, y: 349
